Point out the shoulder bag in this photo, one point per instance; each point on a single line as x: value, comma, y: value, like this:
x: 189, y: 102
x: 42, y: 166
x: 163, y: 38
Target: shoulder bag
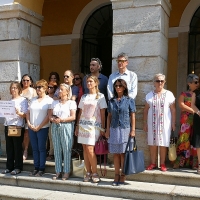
x: 14, y: 131
x: 134, y: 159
x: 172, y: 148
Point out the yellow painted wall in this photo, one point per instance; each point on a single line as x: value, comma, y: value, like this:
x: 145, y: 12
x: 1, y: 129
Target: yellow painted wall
x: 178, y: 6
x: 60, y: 16
x: 35, y: 5
x: 55, y: 58
x: 172, y: 65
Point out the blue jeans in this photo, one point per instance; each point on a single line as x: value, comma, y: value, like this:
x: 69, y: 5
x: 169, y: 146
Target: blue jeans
x: 38, y: 143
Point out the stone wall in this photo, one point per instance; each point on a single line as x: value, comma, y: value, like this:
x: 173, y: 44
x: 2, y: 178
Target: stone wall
x: 19, y: 48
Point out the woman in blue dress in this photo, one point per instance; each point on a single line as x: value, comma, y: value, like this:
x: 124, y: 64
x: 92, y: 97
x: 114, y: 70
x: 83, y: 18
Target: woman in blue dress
x: 120, y: 125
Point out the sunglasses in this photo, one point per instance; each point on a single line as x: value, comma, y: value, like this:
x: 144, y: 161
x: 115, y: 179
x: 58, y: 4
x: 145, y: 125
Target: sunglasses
x: 196, y: 82
x: 122, y: 61
x: 66, y: 76
x: 39, y: 87
x: 116, y: 86
x: 159, y: 81
x: 76, y: 79
x: 50, y: 87
x: 26, y: 80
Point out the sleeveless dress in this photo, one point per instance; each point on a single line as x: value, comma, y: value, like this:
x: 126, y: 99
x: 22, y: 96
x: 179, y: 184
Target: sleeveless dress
x: 186, y: 154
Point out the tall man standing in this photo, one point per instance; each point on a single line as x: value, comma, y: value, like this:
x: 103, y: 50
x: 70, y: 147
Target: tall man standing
x: 125, y: 74
x: 95, y: 68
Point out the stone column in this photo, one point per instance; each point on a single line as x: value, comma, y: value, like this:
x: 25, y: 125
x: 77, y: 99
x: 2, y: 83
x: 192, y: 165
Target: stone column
x: 140, y: 29
x: 19, y: 48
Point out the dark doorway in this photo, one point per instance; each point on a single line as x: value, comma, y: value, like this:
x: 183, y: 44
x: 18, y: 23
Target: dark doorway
x: 97, y: 40
x: 194, y: 44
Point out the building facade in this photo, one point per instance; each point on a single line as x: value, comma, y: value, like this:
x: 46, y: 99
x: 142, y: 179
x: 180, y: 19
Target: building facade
x: 40, y: 36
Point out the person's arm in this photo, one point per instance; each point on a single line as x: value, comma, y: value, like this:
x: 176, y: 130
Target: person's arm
x: 102, y: 112
x: 107, y: 134
x: 77, y: 122
x: 110, y: 88
x: 196, y: 110
x: 173, y: 114
x: 182, y: 105
x: 71, y: 118
x: 145, y: 114
x: 132, y: 132
x: 133, y: 89
x: 28, y: 120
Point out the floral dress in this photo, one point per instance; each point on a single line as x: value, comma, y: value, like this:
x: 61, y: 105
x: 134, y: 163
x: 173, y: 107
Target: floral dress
x: 186, y: 154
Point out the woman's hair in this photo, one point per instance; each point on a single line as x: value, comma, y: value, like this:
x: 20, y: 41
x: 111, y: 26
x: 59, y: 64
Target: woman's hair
x: 192, y: 77
x: 158, y: 75
x: 96, y: 80
x: 43, y: 83
x: 123, y: 83
x: 18, y: 85
x: 53, y: 84
x: 68, y: 87
x: 56, y: 75
x: 30, y: 79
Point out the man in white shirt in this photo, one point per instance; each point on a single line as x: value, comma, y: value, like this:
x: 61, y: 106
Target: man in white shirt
x: 125, y: 74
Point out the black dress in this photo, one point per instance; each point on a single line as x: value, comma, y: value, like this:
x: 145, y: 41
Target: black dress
x: 196, y: 123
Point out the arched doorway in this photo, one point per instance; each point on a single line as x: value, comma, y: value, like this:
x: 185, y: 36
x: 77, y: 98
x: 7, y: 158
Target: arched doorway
x: 194, y: 44
x: 97, y: 39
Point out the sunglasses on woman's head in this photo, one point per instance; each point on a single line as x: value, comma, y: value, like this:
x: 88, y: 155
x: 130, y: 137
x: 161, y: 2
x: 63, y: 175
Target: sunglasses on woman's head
x: 159, y: 81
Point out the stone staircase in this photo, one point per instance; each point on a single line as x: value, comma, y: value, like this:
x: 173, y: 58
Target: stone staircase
x: 182, y: 184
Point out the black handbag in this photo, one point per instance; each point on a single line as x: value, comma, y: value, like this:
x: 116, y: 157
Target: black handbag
x: 134, y: 159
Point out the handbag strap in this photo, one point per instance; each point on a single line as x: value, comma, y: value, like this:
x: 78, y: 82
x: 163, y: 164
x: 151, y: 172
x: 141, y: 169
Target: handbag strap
x: 128, y: 144
x: 79, y: 157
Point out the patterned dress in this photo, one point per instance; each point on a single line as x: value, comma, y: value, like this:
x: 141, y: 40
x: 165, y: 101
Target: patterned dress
x: 159, y: 118
x: 186, y: 154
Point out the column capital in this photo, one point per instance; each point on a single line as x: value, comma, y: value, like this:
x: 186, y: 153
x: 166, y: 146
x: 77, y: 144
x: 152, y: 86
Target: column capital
x: 20, y: 12
x: 122, y: 4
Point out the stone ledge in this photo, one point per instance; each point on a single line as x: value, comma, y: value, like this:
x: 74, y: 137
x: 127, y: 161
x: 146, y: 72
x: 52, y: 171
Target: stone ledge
x: 19, y: 11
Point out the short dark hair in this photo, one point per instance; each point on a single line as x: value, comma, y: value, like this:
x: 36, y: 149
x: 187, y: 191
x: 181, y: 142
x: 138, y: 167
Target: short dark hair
x: 124, y: 84
x: 98, y: 61
x: 30, y: 79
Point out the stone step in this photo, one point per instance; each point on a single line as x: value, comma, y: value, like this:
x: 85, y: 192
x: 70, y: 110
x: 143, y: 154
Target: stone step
x: 24, y: 193
x: 131, y: 190
x: 184, y: 177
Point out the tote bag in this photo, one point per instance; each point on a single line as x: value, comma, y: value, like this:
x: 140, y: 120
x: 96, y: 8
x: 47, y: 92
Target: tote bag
x: 172, y: 148
x: 134, y: 159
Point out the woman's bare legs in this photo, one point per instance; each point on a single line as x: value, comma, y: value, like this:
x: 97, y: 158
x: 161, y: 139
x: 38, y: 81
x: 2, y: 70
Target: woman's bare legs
x: 117, y: 164
x: 25, y: 144
x: 163, y: 152
x: 86, y: 160
x: 154, y: 153
x: 122, y: 177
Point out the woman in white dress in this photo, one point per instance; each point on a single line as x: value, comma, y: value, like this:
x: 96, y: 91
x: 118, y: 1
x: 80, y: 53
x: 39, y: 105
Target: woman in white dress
x: 90, y: 124
x: 28, y: 92
x: 159, y: 120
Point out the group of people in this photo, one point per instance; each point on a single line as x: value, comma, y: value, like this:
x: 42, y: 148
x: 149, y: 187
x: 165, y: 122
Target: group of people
x: 87, y: 107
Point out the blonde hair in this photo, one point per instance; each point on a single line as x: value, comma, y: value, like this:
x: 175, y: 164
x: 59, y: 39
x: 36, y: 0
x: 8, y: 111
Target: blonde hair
x: 43, y: 83
x: 68, y: 87
x: 17, y: 85
x: 157, y: 75
x: 96, y: 80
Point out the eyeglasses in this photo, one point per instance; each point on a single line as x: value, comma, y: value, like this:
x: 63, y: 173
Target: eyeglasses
x: 66, y: 76
x: 122, y: 61
x: 116, y: 86
x: 159, y: 81
x: 39, y: 87
x: 50, y: 87
x: 26, y: 80
x: 196, y: 82
x: 76, y: 79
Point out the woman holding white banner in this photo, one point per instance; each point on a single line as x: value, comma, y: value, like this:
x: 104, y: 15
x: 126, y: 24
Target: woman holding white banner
x: 14, y: 163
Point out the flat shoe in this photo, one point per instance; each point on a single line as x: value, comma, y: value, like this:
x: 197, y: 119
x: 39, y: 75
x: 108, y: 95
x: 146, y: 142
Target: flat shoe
x: 57, y: 176
x: 163, y: 168
x: 87, y: 177
x: 40, y: 173
x: 95, y: 178
x: 65, y: 176
x: 33, y: 173
x: 5, y: 171
x: 15, y: 172
x: 151, y: 167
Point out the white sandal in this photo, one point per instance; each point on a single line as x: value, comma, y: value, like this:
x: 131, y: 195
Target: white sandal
x: 87, y: 177
x: 95, y: 178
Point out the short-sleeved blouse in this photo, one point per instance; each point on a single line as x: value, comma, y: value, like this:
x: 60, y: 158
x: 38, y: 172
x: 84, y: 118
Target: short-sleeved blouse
x: 39, y: 110
x: 63, y: 110
x: 22, y: 104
